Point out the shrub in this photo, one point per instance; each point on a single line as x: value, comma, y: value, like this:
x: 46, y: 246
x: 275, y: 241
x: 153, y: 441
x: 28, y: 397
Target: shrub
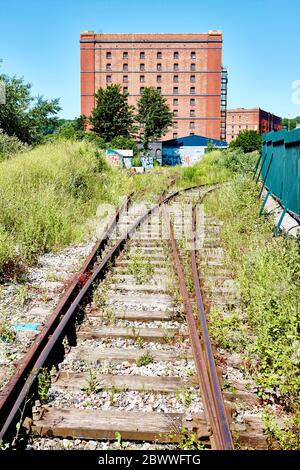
x: 10, y: 145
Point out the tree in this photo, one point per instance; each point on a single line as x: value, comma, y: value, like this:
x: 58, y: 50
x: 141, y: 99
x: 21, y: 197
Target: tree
x: 291, y: 123
x: 154, y: 115
x: 248, y: 141
x: 24, y: 115
x: 112, y: 115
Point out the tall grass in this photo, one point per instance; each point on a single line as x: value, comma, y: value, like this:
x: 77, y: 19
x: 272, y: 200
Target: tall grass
x: 46, y: 196
x: 265, y: 330
x: 49, y: 195
x: 217, y: 166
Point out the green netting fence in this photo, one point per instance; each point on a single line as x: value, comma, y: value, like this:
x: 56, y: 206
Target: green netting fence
x: 280, y: 168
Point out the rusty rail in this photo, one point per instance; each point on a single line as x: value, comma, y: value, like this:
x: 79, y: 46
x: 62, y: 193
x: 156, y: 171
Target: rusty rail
x: 214, y: 407
x: 9, y: 395
x: 14, y: 394
x: 16, y: 391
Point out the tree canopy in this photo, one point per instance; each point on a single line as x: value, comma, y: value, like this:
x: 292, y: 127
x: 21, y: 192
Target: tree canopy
x: 291, y: 123
x: 247, y: 140
x: 154, y: 115
x: 24, y: 115
x: 112, y: 115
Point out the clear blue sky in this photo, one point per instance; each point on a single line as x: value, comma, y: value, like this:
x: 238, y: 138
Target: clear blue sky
x: 39, y: 39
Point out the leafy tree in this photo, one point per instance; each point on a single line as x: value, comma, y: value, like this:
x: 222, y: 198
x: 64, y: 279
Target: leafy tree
x: 72, y: 129
x: 291, y: 124
x: 122, y: 142
x: 112, y: 115
x: 154, y: 115
x: 24, y: 115
x: 248, y: 141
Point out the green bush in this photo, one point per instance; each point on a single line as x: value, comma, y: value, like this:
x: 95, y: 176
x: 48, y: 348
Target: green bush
x: 10, y: 145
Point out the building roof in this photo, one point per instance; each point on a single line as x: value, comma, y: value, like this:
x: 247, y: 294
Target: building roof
x: 193, y: 141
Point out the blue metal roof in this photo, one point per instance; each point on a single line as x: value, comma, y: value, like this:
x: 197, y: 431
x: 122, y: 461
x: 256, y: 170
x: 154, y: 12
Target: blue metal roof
x: 193, y: 141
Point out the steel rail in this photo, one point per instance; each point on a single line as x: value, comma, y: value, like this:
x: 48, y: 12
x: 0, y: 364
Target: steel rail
x: 214, y: 407
x: 9, y: 394
x: 16, y: 391
x: 219, y: 417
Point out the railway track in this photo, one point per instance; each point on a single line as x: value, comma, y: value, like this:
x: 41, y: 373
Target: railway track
x: 128, y: 345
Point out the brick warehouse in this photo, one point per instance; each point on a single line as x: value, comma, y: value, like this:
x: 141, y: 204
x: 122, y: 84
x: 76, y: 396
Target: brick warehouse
x: 186, y: 68
x: 250, y: 119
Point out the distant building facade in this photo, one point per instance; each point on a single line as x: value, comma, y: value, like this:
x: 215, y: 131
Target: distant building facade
x: 185, y: 68
x: 187, y: 151
x: 255, y: 119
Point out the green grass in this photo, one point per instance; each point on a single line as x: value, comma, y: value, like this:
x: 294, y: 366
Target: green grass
x: 49, y: 195
x: 265, y: 328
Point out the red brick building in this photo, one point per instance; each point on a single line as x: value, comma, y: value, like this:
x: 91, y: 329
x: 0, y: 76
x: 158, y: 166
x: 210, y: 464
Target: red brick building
x: 256, y: 119
x: 186, y: 68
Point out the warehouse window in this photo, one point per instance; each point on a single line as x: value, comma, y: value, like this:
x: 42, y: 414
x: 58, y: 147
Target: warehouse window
x: 193, y: 55
x: 108, y: 78
x: 175, y: 135
x: 142, y: 67
x: 175, y: 78
x: 193, y: 67
x: 142, y: 89
x: 192, y: 101
x: 158, y: 67
x: 159, y: 89
x: 176, y: 67
x: 159, y: 55
x: 192, y: 90
x: 192, y: 125
x: 175, y: 112
x: 193, y: 78
x: 125, y: 78
x: 158, y: 78
x: 125, y: 67
x: 192, y: 133
x: 175, y: 90
x: 176, y: 55
x: 108, y: 66
x: 125, y: 55
x: 108, y: 55
x: 175, y: 124
x: 175, y: 102
x: 142, y: 55
x: 125, y: 90
x: 192, y: 112
x: 142, y: 78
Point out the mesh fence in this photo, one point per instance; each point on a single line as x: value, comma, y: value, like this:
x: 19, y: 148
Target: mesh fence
x: 280, y: 167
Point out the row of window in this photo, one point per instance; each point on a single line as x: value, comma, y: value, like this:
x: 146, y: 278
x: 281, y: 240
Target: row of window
x: 158, y: 55
x: 175, y: 90
x: 240, y: 118
x: 240, y: 127
x: 192, y: 113
x: 191, y: 125
x: 158, y: 78
x: 158, y: 67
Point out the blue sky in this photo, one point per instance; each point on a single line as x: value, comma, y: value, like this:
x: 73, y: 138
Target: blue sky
x: 40, y: 41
